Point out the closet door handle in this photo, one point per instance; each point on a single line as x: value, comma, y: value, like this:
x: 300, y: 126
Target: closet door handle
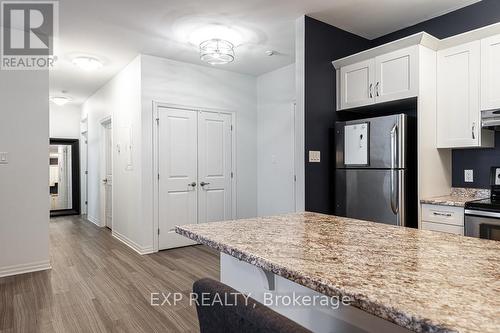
x: 203, y: 183
x: 474, y: 130
x: 376, y: 89
x: 193, y: 184
x: 371, y: 90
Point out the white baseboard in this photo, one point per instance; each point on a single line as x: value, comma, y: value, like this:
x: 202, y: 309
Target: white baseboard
x: 133, y: 245
x: 25, y: 268
x: 94, y: 220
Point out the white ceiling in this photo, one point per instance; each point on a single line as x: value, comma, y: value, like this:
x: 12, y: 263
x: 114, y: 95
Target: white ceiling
x: 118, y: 30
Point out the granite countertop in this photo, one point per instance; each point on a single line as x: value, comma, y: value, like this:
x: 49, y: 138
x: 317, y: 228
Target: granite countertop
x: 422, y: 280
x: 458, y: 197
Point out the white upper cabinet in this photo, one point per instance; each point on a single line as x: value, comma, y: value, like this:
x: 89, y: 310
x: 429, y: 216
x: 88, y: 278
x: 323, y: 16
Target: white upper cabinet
x: 490, y: 73
x: 396, y: 75
x: 388, y: 77
x: 458, y: 90
x: 357, y: 80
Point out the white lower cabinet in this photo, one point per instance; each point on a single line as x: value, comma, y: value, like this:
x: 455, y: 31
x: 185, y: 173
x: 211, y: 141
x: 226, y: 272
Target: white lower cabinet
x: 440, y: 218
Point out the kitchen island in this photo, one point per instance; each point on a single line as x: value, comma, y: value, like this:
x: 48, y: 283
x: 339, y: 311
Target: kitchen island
x: 396, y: 278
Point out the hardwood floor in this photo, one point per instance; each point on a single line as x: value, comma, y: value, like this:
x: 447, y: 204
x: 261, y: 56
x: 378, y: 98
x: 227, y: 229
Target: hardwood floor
x: 97, y: 284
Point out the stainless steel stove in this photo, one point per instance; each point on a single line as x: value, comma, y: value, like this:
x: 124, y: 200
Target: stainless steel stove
x: 482, y: 217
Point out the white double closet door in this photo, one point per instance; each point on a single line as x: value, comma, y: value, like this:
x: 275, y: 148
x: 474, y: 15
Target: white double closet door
x: 195, y: 171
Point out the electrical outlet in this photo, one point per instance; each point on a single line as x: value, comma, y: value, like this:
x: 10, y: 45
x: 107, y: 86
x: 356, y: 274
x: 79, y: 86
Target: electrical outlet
x: 314, y: 156
x: 4, y: 158
x: 469, y: 176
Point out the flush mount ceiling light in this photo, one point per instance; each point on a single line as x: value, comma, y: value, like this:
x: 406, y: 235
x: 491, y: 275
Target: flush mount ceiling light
x: 217, y: 51
x: 87, y: 63
x: 60, y: 100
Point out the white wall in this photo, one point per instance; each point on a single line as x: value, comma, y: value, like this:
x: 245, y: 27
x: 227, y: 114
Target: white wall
x: 24, y: 199
x: 119, y: 98
x: 275, y: 138
x: 163, y: 80
x: 64, y: 121
x: 180, y: 83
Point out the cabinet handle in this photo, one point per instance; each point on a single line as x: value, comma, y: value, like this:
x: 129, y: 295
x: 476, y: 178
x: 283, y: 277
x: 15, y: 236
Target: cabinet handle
x: 474, y: 130
x: 442, y: 214
x: 376, y: 89
x: 371, y: 90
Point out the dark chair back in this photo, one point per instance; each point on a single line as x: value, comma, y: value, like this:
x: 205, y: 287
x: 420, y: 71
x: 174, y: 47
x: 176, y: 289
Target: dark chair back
x: 243, y: 315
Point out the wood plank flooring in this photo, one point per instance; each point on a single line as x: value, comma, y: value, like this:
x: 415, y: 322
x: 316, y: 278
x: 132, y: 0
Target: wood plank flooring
x: 97, y: 284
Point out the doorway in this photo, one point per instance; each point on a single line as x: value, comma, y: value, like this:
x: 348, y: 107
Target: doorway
x: 195, y: 154
x: 107, y: 173
x: 64, y: 177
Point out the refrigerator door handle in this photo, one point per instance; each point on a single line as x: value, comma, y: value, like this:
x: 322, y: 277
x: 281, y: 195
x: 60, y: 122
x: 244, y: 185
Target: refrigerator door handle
x: 394, y: 182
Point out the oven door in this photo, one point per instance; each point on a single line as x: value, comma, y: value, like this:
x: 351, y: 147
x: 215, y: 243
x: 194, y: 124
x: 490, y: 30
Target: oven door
x: 482, y: 224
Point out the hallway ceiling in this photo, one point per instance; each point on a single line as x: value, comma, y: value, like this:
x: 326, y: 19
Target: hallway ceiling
x: 116, y: 31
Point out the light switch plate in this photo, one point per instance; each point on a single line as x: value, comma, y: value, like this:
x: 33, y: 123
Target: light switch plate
x: 4, y: 158
x: 314, y: 156
x: 469, y: 176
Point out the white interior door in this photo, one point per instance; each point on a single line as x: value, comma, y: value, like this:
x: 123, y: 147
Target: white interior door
x: 214, y: 167
x: 108, y: 180
x: 177, y: 156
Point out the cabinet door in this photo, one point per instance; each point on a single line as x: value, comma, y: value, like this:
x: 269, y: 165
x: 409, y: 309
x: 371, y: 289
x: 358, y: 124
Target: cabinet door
x: 356, y: 84
x: 490, y: 73
x: 458, y: 96
x: 396, y: 75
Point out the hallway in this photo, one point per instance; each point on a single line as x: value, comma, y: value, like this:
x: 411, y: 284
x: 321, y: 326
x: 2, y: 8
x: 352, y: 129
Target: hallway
x: 97, y: 284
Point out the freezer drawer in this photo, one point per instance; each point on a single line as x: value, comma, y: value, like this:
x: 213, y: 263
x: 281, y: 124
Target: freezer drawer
x: 371, y: 195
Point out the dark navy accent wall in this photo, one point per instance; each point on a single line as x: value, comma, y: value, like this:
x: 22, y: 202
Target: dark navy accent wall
x: 472, y: 17
x: 479, y: 160
x: 468, y: 18
x: 323, y: 43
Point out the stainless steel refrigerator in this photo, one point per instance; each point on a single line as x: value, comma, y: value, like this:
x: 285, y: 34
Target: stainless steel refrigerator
x: 371, y: 169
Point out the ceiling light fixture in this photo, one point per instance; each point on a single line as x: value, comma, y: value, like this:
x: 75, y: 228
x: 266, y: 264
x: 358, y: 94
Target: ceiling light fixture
x: 217, y: 51
x: 60, y: 100
x: 87, y: 63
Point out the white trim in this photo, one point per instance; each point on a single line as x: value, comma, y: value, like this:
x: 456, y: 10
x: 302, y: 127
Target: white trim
x: 421, y: 38
x: 94, y: 220
x: 25, y: 268
x: 133, y: 245
x: 155, y: 115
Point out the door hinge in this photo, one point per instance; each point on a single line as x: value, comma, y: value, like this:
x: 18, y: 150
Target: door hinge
x: 86, y: 172
x: 86, y: 203
x: 294, y: 178
x: 158, y: 231
x: 158, y: 176
x: 231, y: 127
x: 232, y: 174
x: 158, y: 121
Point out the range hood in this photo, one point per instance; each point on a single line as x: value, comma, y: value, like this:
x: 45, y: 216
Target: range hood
x: 491, y: 119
